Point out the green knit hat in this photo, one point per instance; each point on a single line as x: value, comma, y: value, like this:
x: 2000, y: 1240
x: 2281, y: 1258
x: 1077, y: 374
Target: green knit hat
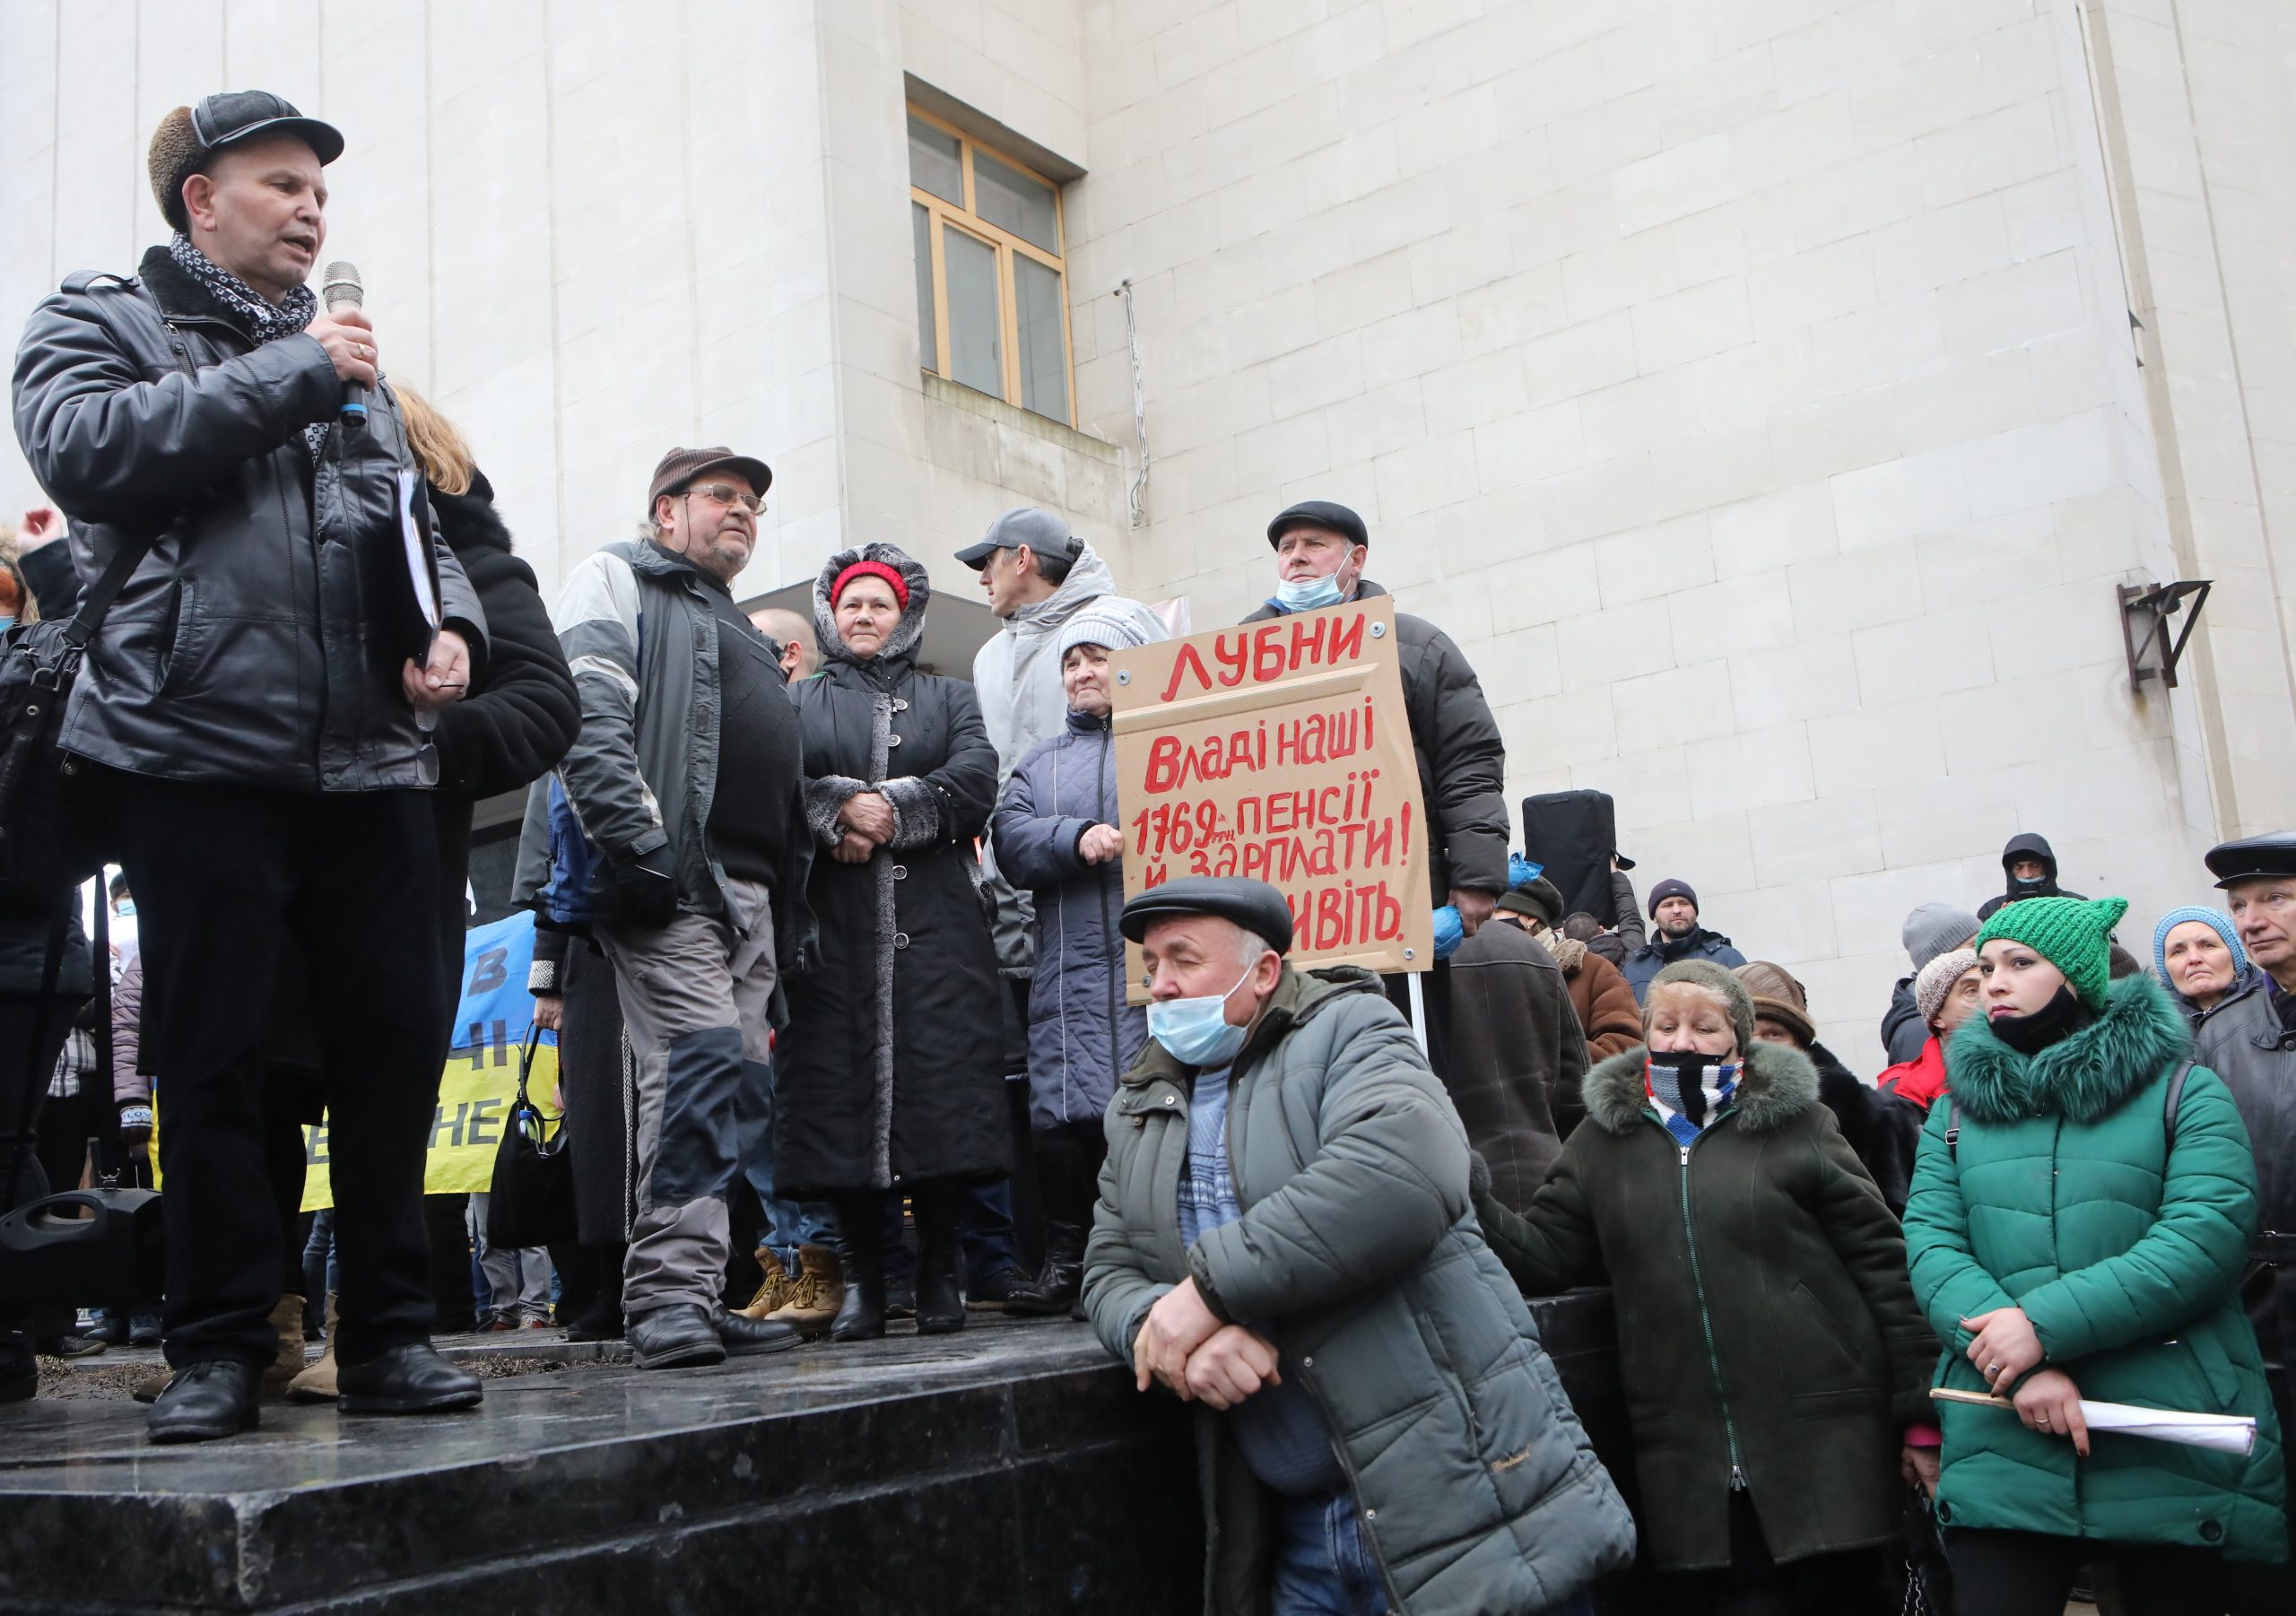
x: 2072, y: 933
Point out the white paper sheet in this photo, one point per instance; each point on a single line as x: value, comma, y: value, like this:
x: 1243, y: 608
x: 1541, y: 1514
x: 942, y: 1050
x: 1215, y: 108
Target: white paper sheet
x: 2219, y: 1433
x: 418, y: 552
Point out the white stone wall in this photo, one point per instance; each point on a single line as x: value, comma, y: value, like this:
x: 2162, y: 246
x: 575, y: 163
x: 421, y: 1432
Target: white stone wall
x: 1747, y: 385
x: 1749, y: 388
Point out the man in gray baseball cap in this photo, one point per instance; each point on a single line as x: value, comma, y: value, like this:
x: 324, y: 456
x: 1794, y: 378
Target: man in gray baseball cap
x: 1296, y: 1269
x: 1038, y: 575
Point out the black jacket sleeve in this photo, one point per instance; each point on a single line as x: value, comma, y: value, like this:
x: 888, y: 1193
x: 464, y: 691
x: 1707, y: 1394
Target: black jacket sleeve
x: 54, y: 584
x: 525, y: 716
x: 1470, y: 766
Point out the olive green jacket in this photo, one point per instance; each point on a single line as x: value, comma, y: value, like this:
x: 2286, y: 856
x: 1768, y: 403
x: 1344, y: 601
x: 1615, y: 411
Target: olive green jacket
x: 1474, y: 1484
x: 1767, y: 1336
x: 2069, y: 1192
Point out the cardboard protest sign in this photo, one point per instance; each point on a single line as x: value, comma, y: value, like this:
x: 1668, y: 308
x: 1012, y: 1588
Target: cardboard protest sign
x: 1282, y: 751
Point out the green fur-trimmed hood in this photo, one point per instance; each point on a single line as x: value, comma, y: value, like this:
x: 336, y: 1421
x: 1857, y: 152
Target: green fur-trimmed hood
x: 2084, y: 1075
x: 1779, y: 1084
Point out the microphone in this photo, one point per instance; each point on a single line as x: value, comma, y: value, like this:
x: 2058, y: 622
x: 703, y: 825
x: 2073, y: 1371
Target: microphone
x: 341, y: 290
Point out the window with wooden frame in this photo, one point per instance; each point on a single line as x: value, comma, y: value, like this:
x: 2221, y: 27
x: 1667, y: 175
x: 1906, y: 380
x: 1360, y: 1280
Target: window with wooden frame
x: 991, y: 296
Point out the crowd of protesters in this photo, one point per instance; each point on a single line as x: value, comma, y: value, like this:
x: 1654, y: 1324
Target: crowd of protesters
x: 820, y: 921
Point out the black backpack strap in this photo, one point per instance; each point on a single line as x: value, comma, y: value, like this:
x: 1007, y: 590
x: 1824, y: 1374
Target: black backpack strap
x: 1952, y: 1127
x: 2175, y: 1097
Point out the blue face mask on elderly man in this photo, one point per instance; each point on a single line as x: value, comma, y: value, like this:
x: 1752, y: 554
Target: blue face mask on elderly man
x: 1196, y: 1031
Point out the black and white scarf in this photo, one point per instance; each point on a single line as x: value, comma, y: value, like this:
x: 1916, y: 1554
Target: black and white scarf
x: 264, y: 320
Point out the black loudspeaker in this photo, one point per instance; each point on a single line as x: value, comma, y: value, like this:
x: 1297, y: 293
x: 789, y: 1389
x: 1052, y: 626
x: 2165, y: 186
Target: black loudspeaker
x: 1574, y: 833
x: 86, y: 1249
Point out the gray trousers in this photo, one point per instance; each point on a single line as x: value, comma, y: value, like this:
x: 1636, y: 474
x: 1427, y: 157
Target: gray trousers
x: 693, y: 998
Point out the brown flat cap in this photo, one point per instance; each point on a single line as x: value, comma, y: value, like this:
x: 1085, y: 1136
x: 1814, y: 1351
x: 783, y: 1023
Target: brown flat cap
x: 678, y: 470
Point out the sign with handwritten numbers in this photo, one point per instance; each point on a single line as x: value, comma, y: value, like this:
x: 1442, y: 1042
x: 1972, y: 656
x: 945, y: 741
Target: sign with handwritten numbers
x: 1281, y: 751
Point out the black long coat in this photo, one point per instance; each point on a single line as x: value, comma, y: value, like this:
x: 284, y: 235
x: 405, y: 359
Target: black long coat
x: 891, y: 1070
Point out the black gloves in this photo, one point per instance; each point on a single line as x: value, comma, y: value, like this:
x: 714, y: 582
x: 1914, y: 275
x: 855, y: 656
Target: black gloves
x: 645, y: 893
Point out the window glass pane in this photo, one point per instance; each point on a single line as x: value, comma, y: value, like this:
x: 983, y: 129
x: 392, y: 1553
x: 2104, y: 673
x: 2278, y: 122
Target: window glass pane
x: 1044, y: 368
x: 1010, y: 200
x: 975, y: 343
x: 928, y: 339
x: 934, y: 164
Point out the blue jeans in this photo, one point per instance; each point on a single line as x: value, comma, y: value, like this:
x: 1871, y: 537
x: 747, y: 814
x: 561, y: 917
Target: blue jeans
x: 984, y: 1232
x: 789, y: 1224
x: 1322, y: 1568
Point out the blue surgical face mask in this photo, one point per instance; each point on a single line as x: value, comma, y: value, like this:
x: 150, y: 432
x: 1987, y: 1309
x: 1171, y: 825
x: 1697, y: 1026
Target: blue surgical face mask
x: 6, y: 623
x: 1196, y: 1031
x: 1308, y: 594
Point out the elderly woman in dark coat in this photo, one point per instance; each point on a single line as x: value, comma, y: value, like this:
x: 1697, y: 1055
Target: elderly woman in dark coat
x: 892, y: 1082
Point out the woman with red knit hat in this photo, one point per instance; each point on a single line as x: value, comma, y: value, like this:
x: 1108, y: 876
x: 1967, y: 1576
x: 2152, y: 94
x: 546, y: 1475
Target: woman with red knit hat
x: 890, y: 1080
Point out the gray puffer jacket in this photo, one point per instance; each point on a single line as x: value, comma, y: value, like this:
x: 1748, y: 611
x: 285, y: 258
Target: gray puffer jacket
x: 261, y: 640
x: 2243, y: 1041
x: 1474, y: 1482
x: 1080, y: 1031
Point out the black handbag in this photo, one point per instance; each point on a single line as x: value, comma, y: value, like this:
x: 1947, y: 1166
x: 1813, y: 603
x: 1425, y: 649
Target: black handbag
x: 531, y: 1203
x: 48, y: 836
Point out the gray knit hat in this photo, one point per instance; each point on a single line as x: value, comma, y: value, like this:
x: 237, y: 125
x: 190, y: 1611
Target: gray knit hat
x: 1935, y: 927
x: 1936, y: 980
x: 1717, y: 981
x: 1093, y: 626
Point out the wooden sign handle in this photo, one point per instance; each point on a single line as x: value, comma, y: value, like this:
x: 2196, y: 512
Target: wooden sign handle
x: 1981, y: 1399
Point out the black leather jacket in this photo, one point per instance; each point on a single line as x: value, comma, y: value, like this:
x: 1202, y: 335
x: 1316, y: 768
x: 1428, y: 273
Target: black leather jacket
x: 260, y: 642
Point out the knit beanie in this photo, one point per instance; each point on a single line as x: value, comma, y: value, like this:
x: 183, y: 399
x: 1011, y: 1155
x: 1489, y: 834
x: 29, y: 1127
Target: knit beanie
x: 1717, y: 981
x: 1778, y: 997
x: 1538, y: 897
x: 1092, y: 625
x: 2174, y: 918
x: 1937, y: 979
x: 1935, y: 927
x: 2072, y: 933
x: 1672, y: 887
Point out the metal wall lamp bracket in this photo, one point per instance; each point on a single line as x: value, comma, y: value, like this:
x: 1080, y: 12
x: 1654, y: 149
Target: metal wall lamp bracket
x: 2145, y: 610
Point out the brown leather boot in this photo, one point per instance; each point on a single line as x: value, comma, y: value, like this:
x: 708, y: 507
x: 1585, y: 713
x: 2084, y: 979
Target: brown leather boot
x: 776, y: 1291
x: 815, y: 1294
x: 316, y: 1383
x: 287, y: 1318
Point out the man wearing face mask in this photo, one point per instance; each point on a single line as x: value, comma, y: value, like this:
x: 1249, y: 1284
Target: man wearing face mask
x: 2029, y: 869
x: 1284, y: 1232
x: 1321, y: 548
x: 687, y: 777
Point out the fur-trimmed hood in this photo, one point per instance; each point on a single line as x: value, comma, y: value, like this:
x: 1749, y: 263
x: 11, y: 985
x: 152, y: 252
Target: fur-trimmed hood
x: 901, y: 643
x: 2084, y: 1075
x: 1779, y: 1084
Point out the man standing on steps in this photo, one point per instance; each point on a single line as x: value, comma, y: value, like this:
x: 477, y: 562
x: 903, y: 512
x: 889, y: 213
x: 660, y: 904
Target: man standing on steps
x: 1038, y: 575
x: 256, y: 712
x: 1678, y: 935
x: 1320, y: 551
x: 687, y: 777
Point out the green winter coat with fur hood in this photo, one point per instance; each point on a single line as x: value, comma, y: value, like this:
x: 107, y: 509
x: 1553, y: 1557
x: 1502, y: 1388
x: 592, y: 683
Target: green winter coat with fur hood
x: 2066, y: 1195
x: 1767, y: 1336
x: 1474, y: 1484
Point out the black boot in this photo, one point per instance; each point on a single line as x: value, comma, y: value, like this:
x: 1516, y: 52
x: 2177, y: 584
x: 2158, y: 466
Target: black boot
x: 410, y: 1380
x: 860, y: 1247
x: 1053, y: 1291
x: 940, y: 1302
x: 19, y: 1370
x: 601, y: 1319
x: 205, y: 1401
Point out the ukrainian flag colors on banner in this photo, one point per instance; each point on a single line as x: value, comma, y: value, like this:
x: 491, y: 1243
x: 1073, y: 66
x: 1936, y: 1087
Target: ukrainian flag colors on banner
x: 480, y: 1084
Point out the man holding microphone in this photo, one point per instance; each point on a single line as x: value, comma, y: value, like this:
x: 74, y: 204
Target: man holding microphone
x: 255, y: 709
